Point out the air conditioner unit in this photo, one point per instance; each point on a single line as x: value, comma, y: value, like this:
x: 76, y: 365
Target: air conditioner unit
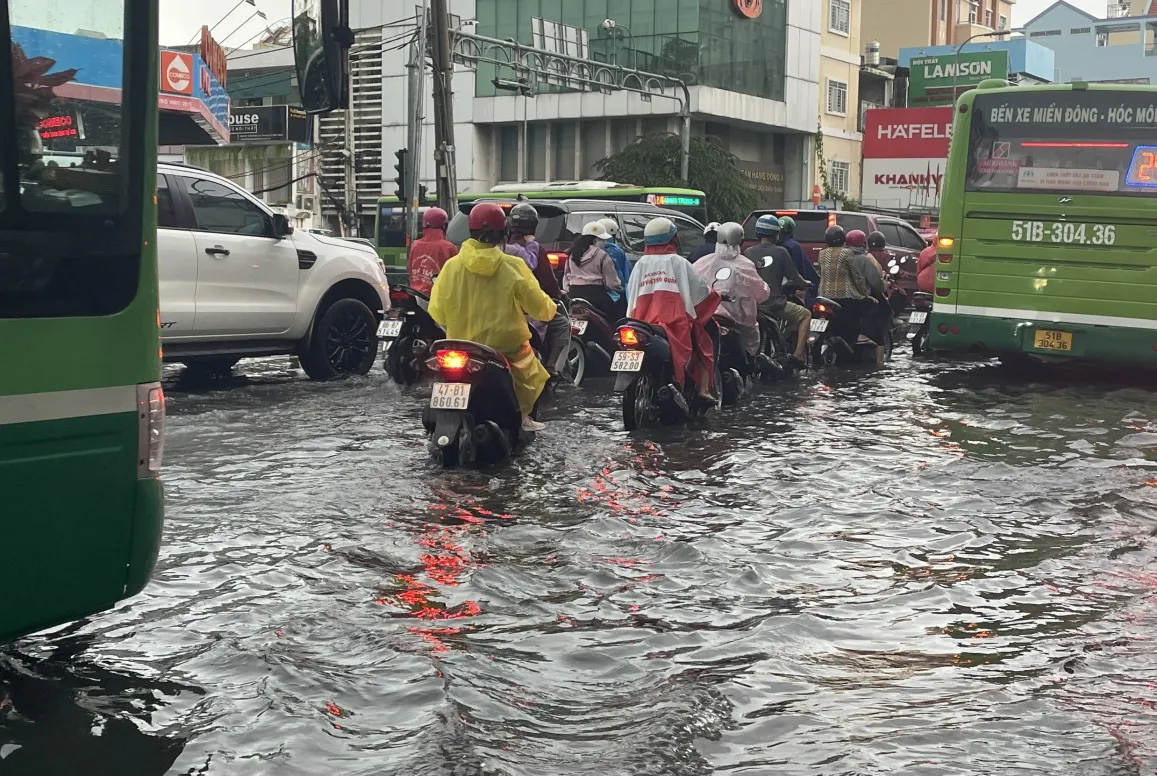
x: 306, y: 202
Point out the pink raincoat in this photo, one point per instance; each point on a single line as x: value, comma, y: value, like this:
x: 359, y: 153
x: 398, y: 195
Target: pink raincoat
x: 745, y: 287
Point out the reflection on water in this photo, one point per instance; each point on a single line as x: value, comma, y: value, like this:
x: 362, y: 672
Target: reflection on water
x: 937, y: 569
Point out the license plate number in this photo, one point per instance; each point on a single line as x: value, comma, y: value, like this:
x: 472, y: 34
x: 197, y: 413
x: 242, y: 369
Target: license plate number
x: 819, y: 324
x: 1064, y: 232
x: 627, y: 361
x: 389, y: 328
x: 1046, y: 339
x: 450, y: 396
x: 579, y: 326
x: 917, y: 318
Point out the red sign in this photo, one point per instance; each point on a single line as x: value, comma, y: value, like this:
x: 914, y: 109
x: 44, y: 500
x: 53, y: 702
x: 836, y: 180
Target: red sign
x: 748, y: 8
x: 907, y: 133
x: 214, y: 56
x: 176, y: 72
x: 58, y: 126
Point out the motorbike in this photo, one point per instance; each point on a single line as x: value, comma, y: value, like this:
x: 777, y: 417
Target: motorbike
x: 646, y: 378
x: 473, y: 415
x: 592, y: 344
x: 731, y: 361
x: 407, y: 331
x: 919, y: 326
x: 827, y: 348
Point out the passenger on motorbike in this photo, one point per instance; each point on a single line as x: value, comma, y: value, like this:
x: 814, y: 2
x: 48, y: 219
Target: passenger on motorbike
x: 842, y: 280
x: 665, y: 291
x: 774, y: 274
x: 590, y: 273
x: 555, y: 334
x: 743, y: 291
x: 483, y: 295
x: 875, y: 324
x: 710, y: 241
x: 926, y: 269
x: 802, y: 263
x: 618, y: 256
x: 430, y: 252
x: 896, y: 297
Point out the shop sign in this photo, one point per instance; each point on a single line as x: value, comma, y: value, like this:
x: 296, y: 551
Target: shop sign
x: 269, y: 123
x: 939, y: 80
x: 750, y: 9
x: 214, y: 56
x: 176, y: 72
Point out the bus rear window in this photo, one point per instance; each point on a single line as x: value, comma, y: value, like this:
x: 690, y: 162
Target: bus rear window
x: 1092, y: 142
x: 391, y: 230
x: 551, y: 223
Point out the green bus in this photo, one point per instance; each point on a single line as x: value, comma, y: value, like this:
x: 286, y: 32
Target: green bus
x: 1047, y: 243
x: 81, y: 406
x: 390, y: 225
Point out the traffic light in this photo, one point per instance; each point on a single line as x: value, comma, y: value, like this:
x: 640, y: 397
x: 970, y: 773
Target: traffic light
x: 400, y: 192
x: 422, y: 195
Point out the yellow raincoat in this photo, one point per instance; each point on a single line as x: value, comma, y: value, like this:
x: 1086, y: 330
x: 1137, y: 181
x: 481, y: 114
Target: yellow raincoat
x: 484, y: 296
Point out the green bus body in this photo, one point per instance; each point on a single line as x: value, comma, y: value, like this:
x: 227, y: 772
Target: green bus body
x: 389, y: 226
x: 1048, y: 225
x: 80, y: 525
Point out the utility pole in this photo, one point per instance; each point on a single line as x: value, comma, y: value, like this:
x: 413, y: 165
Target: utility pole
x: 350, y: 216
x: 445, y: 175
x: 415, y: 117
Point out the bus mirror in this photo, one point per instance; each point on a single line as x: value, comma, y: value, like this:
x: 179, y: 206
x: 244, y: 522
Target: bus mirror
x: 321, y: 44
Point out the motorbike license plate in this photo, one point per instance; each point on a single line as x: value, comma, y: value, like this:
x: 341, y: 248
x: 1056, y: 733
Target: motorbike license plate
x: 578, y: 326
x: 917, y: 318
x: 627, y: 361
x: 389, y: 328
x: 1045, y: 339
x: 819, y: 324
x: 450, y: 396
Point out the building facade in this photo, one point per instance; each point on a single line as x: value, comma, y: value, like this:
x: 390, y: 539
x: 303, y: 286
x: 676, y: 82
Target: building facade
x: 752, y: 70
x: 839, y: 100
x: 1120, y: 48
x: 899, y: 23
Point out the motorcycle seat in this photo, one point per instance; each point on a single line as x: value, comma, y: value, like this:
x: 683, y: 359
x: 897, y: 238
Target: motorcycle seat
x: 656, y: 331
x: 578, y: 304
x: 833, y: 304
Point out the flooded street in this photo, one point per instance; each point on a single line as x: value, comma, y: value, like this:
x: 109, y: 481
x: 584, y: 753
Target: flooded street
x: 935, y: 569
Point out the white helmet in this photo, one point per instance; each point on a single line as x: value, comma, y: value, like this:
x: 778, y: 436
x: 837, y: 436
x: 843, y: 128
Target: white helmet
x: 659, y: 231
x: 611, y: 225
x: 597, y: 230
x: 711, y: 227
x: 730, y: 233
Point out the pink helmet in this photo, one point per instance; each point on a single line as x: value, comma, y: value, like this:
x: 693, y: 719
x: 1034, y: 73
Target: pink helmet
x: 435, y: 218
x: 856, y: 239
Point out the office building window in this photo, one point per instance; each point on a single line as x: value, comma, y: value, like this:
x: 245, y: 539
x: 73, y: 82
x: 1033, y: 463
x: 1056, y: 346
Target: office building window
x: 840, y: 16
x: 839, y: 175
x: 987, y: 17
x: 971, y: 13
x: 943, y: 10
x: 508, y: 153
x: 837, y: 97
x: 561, y: 39
x: 535, y: 152
x: 563, y: 150
x: 1003, y: 22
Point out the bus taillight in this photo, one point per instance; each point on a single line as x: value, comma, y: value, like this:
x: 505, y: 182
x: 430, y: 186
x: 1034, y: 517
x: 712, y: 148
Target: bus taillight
x: 945, y: 242
x: 944, y: 258
x: 151, y: 429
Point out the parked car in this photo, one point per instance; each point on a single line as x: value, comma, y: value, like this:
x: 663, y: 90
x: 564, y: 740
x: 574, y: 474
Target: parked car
x: 904, y: 242
x: 236, y: 280
x: 561, y: 221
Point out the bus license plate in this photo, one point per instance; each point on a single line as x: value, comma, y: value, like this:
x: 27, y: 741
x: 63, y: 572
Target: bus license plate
x: 819, y: 324
x: 627, y: 361
x: 1046, y: 339
x: 450, y: 396
x: 579, y: 326
x: 917, y: 318
x: 389, y: 328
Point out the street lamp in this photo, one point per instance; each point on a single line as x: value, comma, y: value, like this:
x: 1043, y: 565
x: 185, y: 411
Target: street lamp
x: 251, y: 18
x: 960, y: 48
x: 611, y: 26
x: 226, y: 16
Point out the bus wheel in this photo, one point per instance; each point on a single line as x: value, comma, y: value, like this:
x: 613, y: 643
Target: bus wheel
x: 344, y: 341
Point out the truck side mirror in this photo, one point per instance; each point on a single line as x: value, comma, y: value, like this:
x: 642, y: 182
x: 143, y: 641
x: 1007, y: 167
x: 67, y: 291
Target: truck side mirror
x: 321, y: 44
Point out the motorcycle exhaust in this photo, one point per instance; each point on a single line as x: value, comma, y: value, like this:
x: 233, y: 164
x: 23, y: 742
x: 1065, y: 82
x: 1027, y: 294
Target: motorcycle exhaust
x: 670, y: 393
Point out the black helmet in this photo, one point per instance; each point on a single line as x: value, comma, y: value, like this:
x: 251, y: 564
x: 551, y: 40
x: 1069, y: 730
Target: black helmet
x: 523, y: 218
x: 835, y: 236
x: 876, y: 241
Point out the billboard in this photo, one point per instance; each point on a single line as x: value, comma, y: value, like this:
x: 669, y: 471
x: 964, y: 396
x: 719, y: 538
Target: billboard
x: 905, y: 156
x: 939, y: 80
x: 269, y: 123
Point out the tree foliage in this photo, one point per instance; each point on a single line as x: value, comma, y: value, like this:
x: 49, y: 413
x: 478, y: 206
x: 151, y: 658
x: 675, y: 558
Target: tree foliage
x: 654, y: 160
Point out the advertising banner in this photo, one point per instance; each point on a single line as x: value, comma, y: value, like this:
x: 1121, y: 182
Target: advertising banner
x: 269, y: 123
x: 905, y: 156
x: 939, y: 80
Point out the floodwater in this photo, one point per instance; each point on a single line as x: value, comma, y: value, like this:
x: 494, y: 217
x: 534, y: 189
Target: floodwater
x: 935, y: 569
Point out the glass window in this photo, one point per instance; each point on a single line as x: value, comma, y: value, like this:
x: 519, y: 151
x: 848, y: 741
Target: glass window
x: 839, y: 175
x: 911, y: 239
x: 1003, y: 23
x: 219, y: 208
x: 839, y: 16
x: 563, y: 150
x: 848, y: 221
x: 536, y: 152
x: 891, y: 233
x: 633, y: 225
x: 943, y: 10
x: 576, y: 221
x: 166, y: 211
x: 508, y: 153
x: 690, y: 235
x: 837, y: 97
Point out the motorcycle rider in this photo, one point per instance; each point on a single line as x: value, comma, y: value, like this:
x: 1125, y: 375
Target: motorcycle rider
x: 803, y: 264
x: 430, y: 252
x: 555, y: 334
x: 842, y: 281
x: 617, y: 254
x: 743, y: 291
x: 665, y: 291
x: 774, y: 274
x: 926, y: 269
x: 875, y: 325
x: 710, y: 240
x: 590, y: 272
x: 483, y: 295
x: 895, y: 296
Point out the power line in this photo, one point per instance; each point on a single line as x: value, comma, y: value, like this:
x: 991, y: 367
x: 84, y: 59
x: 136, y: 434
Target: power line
x: 398, y: 23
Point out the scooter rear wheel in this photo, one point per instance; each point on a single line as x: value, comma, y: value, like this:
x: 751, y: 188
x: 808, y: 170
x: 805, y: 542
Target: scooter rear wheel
x: 638, y: 403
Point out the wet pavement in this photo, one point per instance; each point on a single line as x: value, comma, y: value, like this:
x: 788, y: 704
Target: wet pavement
x: 935, y: 569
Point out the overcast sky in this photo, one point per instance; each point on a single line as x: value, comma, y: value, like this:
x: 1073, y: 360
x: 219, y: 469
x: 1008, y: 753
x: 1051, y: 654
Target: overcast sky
x: 181, y: 19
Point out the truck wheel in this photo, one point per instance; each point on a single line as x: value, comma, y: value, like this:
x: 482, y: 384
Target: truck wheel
x: 344, y: 341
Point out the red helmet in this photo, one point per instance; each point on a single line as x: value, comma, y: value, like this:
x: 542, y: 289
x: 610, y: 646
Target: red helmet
x: 435, y: 218
x: 856, y: 239
x: 487, y: 222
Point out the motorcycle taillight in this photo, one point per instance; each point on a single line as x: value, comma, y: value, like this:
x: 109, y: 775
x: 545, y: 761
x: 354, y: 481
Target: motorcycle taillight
x: 629, y: 338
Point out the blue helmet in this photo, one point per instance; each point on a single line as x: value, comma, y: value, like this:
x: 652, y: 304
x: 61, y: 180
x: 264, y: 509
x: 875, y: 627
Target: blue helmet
x: 767, y: 226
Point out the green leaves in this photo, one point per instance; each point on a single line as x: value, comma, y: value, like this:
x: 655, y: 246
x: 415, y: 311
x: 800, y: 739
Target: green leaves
x: 654, y: 160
